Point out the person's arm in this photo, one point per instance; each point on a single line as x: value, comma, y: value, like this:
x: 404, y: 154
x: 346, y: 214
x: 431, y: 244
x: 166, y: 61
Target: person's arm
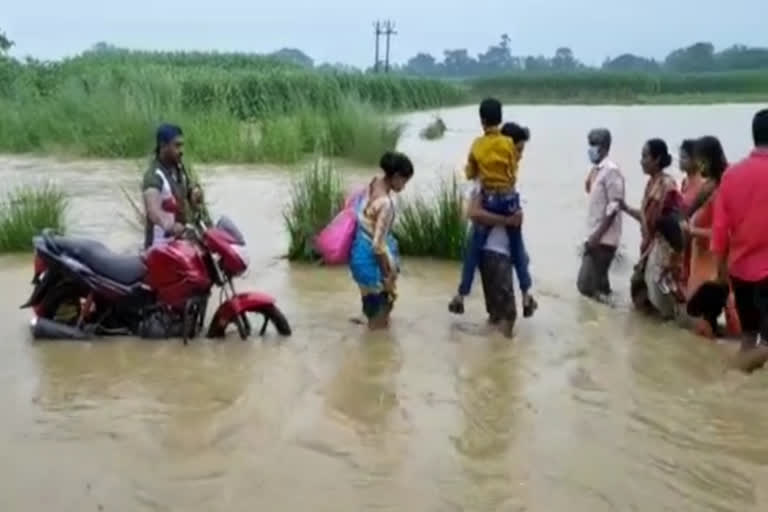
x: 706, y: 192
x: 153, y: 203
x: 154, y: 207
x: 479, y: 215
x: 383, y: 213
x: 700, y: 232
x: 632, y: 212
x: 721, y: 231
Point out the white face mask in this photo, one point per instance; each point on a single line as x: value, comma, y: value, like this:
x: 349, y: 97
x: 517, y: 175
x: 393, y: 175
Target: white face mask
x: 594, y: 154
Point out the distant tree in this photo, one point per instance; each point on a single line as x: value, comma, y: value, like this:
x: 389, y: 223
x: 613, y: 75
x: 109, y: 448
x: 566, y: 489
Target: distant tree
x: 459, y: 63
x: 338, y: 67
x: 5, y: 43
x: 103, y: 47
x: 564, y: 60
x: 422, y: 64
x: 294, y: 56
x: 742, y: 57
x: 698, y: 57
x: 630, y: 62
x: 539, y: 63
x: 497, y: 58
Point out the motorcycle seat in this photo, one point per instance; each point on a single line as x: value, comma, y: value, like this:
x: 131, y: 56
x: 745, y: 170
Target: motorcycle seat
x: 122, y: 268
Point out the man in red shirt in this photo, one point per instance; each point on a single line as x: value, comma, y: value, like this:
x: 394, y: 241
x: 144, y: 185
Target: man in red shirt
x: 740, y: 234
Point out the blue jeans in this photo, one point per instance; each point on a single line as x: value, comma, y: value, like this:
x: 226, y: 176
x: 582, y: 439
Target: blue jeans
x: 501, y: 204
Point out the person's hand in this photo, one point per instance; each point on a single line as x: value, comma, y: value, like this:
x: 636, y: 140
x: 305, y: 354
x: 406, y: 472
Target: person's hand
x: 592, y: 242
x: 178, y: 229
x: 389, y: 281
x: 515, y: 220
x: 685, y: 227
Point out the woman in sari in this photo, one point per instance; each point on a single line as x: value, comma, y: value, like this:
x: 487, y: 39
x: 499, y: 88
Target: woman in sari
x: 656, y: 279
x: 374, y: 259
x: 710, y: 160
x: 690, y: 189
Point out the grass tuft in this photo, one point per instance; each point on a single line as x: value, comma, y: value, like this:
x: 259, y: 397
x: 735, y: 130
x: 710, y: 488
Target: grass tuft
x: 434, y: 227
x: 316, y: 196
x: 26, y: 211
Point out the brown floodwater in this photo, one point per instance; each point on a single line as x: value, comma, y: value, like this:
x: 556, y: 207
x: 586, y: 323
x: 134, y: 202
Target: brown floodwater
x: 588, y: 409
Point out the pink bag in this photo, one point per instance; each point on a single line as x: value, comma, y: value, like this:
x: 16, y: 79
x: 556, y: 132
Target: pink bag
x: 334, y: 242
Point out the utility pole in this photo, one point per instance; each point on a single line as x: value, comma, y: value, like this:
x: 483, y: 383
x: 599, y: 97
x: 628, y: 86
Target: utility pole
x: 389, y: 30
x: 377, y: 32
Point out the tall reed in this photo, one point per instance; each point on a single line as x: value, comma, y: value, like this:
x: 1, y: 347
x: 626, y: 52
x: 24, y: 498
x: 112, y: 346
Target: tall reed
x: 316, y: 196
x: 433, y: 226
x: 108, y: 105
x: 26, y: 211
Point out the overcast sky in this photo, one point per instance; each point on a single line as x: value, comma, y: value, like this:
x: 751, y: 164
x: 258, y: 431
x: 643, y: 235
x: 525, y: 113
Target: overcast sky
x: 341, y: 30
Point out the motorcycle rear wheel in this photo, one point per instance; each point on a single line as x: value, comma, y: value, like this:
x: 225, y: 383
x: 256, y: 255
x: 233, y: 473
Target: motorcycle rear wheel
x: 62, y: 304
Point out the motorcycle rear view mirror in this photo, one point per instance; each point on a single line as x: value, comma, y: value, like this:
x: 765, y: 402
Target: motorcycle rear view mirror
x: 226, y: 224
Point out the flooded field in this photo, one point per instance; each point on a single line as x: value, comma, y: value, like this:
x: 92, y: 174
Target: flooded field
x: 589, y: 409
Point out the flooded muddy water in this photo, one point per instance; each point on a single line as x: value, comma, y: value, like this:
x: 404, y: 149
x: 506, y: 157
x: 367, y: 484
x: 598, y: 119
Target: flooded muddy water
x: 588, y: 409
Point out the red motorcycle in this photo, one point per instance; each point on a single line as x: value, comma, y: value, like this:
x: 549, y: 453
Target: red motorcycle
x: 82, y: 289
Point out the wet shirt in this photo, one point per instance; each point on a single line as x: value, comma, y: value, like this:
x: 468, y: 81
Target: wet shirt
x: 172, y: 186
x: 498, y: 240
x: 606, y: 190
x: 741, y: 213
x: 493, y: 160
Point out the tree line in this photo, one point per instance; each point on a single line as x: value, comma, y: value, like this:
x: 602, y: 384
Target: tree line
x: 499, y: 59
x: 699, y: 57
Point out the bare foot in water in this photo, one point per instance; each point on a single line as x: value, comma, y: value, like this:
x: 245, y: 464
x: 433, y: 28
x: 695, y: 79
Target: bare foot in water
x: 751, y: 357
x: 507, y: 328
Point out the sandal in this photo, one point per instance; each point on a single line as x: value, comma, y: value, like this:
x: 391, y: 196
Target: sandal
x: 456, y: 306
x: 529, y: 307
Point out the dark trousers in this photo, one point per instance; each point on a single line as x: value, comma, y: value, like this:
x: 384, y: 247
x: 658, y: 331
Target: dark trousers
x: 501, y: 204
x: 752, y: 305
x: 593, y: 274
x: 498, y: 288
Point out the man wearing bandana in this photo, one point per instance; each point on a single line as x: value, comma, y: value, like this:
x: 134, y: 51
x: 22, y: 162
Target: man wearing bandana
x: 170, y: 200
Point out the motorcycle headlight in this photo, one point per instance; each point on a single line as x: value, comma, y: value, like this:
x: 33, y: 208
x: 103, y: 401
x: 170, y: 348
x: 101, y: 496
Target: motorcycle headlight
x: 242, y: 252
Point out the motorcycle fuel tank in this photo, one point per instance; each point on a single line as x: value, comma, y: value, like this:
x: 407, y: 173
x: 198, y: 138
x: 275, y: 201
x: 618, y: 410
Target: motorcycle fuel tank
x: 176, y: 272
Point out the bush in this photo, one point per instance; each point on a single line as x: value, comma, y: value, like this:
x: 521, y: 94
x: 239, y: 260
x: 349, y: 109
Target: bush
x: 433, y: 227
x: 434, y: 130
x: 26, y: 211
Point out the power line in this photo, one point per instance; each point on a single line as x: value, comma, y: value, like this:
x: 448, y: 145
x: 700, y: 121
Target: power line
x: 389, y: 30
x: 383, y: 29
x: 377, y: 32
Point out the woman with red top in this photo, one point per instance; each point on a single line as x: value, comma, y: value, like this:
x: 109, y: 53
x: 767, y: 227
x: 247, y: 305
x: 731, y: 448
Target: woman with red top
x: 689, y: 189
x: 711, y: 162
x: 655, y: 282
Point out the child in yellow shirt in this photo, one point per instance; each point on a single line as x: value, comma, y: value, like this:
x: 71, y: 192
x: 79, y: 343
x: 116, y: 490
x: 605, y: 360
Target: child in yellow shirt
x: 493, y: 162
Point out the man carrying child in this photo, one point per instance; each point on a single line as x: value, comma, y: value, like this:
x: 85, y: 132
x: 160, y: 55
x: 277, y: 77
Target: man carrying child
x: 493, y: 162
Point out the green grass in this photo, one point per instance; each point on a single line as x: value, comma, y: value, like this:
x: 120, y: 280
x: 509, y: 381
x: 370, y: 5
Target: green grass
x: 317, y: 195
x: 26, y: 211
x: 109, y: 105
x: 593, y: 87
x: 433, y: 226
x: 434, y: 130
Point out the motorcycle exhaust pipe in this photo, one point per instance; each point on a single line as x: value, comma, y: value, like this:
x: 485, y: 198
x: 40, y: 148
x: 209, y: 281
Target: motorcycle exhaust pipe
x: 45, y: 329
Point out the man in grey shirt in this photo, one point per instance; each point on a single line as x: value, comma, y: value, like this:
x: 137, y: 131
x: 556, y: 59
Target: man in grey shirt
x: 605, y: 186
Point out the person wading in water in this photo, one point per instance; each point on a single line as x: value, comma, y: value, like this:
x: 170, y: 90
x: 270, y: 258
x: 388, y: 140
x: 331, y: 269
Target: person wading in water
x: 170, y: 200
